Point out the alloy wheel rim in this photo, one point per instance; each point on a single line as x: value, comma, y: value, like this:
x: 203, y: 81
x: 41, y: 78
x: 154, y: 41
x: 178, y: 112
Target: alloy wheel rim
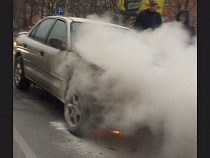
x: 18, y: 73
x: 73, y: 111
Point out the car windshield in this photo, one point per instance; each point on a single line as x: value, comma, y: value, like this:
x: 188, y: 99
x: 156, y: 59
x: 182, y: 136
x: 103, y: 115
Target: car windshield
x: 79, y: 30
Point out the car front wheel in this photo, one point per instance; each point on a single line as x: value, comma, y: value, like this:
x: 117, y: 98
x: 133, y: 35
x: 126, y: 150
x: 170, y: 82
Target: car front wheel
x: 76, y: 113
x: 20, y: 81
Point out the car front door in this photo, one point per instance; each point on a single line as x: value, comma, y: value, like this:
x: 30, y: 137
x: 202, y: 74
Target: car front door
x: 46, y: 61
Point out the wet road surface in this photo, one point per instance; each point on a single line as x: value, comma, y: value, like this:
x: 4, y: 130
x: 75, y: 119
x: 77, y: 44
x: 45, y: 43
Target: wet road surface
x: 39, y: 131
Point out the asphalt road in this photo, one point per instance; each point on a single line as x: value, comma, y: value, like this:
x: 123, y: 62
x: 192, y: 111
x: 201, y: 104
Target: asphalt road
x: 39, y: 131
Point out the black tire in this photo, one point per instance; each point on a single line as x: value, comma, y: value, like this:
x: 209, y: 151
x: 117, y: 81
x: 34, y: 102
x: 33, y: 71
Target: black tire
x: 76, y: 113
x: 19, y: 79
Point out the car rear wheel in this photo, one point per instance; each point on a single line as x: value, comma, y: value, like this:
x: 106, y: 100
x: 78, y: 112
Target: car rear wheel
x: 76, y: 113
x: 20, y: 81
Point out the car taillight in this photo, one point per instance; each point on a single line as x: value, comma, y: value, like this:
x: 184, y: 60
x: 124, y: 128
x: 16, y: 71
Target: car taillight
x: 15, y: 44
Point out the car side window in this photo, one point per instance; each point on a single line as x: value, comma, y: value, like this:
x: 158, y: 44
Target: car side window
x: 32, y: 34
x: 43, y: 30
x: 59, y: 31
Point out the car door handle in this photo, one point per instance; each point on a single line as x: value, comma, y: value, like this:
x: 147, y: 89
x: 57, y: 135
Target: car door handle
x: 41, y: 53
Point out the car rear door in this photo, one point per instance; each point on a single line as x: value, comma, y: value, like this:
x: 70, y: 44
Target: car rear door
x: 34, y: 43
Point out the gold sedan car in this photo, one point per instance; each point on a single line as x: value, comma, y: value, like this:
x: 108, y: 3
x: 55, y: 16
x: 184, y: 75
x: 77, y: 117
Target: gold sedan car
x: 41, y: 57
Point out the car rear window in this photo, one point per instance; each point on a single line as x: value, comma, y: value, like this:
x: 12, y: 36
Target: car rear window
x: 40, y: 32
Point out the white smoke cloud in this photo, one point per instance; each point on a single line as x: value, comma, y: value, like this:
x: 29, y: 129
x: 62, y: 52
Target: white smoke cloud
x: 150, y: 79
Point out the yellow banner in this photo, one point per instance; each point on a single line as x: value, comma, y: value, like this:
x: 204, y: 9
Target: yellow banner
x: 120, y: 5
x: 144, y: 5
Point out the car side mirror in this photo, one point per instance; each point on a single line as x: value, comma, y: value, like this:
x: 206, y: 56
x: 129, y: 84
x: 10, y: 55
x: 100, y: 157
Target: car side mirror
x: 57, y: 43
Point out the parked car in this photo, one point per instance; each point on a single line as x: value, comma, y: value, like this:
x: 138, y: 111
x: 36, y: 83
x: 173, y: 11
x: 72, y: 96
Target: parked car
x: 35, y: 55
x: 29, y: 27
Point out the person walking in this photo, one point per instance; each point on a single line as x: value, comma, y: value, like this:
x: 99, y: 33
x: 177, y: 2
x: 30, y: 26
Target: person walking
x: 183, y: 17
x: 148, y: 18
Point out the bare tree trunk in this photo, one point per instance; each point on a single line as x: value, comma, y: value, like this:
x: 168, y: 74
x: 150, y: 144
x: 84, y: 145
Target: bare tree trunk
x: 42, y: 8
x: 25, y: 23
x: 17, y: 11
x: 32, y: 12
x: 186, y: 4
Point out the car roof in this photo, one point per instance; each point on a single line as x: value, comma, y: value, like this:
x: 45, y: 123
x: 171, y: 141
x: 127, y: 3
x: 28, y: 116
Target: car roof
x: 83, y: 20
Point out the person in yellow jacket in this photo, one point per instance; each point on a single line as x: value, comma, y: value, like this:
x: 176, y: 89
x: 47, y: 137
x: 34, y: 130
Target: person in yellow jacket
x: 148, y: 18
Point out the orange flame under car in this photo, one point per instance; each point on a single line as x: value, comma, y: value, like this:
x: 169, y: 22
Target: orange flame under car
x: 116, y: 132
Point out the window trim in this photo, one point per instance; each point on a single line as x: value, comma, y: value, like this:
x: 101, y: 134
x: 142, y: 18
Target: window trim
x: 58, y: 19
